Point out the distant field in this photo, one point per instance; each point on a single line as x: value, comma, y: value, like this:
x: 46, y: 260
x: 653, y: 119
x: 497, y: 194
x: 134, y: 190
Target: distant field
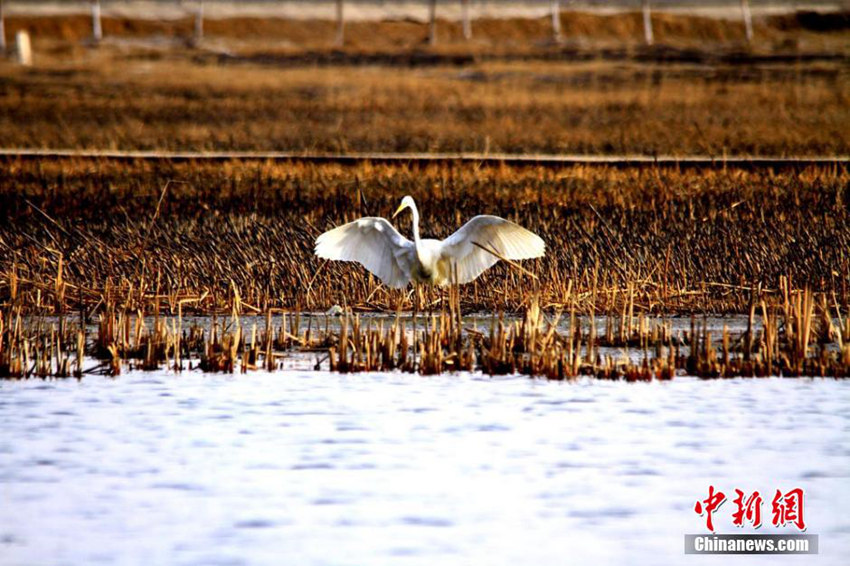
x: 274, y: 84
x: 550, y: 107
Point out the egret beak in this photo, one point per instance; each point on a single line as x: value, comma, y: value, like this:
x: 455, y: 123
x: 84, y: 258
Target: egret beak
x: 399, y: 209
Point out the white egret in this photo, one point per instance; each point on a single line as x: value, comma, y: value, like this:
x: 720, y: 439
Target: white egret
x: 395, y: 260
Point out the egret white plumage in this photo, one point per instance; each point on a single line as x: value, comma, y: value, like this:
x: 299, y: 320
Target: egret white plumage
x: 474, y: 248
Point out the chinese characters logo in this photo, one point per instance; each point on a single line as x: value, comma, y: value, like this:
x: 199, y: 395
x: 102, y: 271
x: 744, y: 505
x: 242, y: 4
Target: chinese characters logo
x: 786, y: 508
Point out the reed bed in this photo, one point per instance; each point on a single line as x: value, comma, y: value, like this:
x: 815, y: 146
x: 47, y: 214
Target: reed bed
x: 86, y: 234
x: 797, y: 334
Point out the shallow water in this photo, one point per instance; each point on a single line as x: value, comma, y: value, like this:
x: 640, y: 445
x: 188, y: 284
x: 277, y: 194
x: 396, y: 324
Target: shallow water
x: 316, y: 468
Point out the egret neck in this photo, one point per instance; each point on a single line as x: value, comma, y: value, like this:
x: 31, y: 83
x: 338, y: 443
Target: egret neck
x: 416, y: 241
x: 408, y: 202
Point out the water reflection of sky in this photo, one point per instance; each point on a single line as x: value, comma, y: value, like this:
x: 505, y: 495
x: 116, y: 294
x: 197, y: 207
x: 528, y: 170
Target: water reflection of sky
x: 315, y: 468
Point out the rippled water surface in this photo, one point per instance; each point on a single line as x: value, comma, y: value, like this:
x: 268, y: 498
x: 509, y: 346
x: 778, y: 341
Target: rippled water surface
x: 315, y: 468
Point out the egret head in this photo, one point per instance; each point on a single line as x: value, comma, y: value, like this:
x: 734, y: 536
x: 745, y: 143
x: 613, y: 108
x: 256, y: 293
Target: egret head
x: 406, y: 202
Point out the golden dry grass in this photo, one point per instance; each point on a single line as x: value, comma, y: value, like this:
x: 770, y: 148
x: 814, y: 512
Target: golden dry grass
x: 589, y: 108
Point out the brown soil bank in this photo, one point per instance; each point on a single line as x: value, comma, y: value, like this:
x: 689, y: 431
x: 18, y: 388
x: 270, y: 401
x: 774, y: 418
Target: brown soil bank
x: 512, y: 34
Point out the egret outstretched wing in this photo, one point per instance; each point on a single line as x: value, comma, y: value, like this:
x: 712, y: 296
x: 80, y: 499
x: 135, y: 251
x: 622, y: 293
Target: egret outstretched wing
x: 508, y: 239
x: 373, y: 243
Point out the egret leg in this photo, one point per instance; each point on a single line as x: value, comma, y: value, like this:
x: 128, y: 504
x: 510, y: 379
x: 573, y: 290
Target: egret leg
x: 415, y: 309
x: 425, y: 297
x: 430, y: 306
x: 442, y: 302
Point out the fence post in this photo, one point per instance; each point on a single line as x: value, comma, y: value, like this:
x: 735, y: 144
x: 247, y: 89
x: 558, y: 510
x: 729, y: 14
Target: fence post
x: 748, y: 19
x: 647, y: 23
x: 432, y: 19
x: 340, y: 23
x: 96, y: 29
x: 2, y: 31
x: 23, y: 48
x: 555, y: 8
x: 467, y: 26
x: 199, y: 21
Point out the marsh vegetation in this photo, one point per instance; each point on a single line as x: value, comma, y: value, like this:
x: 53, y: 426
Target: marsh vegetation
x: 109, y: 238
x: 137, y: 248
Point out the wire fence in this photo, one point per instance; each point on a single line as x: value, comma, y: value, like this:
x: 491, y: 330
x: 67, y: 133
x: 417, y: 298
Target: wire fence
x: 428, y: 12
